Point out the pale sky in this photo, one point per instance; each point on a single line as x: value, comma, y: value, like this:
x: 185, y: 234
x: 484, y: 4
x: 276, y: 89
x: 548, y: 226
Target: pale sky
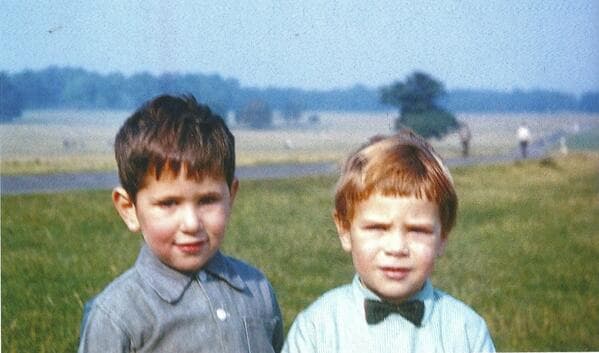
x: 504, y: 45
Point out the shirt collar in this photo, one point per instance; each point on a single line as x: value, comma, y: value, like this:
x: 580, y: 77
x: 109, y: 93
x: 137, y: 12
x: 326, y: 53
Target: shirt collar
x: 170, y: 284
x: 426, y: 294
x: 221, y: 267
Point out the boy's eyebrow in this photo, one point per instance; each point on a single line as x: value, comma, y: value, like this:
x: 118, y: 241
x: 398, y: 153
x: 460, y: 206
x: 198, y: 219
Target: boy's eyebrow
x: 158, y: 198
x: 419, y: 221
x: 375, y: 218
x: 209, y: 194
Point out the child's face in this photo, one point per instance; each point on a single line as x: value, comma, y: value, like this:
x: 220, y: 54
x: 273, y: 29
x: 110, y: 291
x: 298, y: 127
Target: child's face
x: 394, y: 242
x: 182, y: 220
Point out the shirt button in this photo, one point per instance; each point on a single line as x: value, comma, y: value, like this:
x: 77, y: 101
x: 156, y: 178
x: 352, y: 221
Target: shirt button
x: 221, y: 314
x: 203, y: 276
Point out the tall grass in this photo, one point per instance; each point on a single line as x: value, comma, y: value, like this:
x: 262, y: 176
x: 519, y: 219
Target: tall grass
x: 524, y: 253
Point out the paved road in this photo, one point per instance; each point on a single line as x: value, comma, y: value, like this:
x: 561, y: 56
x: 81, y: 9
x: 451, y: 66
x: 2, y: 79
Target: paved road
x: 27, y: 184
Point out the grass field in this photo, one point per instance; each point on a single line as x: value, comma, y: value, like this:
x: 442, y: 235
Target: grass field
x: 524, y: 254
x: 71, y: 140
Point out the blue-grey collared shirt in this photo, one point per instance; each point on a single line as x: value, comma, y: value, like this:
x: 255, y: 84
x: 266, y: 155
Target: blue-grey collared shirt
x: 228, y: 306
x: 336, y: 323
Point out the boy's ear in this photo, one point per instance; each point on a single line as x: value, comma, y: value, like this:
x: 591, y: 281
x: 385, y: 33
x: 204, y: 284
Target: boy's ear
x: 234, y: 188
x: 343, y: 232
x: 442, y: 245
x: 126, y: 208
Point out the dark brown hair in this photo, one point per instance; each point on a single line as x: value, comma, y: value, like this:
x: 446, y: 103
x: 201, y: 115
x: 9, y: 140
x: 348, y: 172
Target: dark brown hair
x: 173, y: 134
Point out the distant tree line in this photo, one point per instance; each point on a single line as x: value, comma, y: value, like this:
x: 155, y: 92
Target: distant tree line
x: 57, y: 88
x: 519, y: 101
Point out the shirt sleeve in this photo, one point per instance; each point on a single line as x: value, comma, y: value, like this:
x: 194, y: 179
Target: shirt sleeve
x: 480, y: 338
x: 101, y: 333
x: 301, y: 336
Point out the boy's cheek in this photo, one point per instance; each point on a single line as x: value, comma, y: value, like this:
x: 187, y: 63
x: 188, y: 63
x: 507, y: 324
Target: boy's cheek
x: 158, y: 230
x: 223, y: 216
x: 216, y: 227
x: 426, y: 252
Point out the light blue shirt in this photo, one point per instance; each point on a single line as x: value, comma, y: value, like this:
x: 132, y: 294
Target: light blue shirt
x: 336, y: 322
x: 228, y: 306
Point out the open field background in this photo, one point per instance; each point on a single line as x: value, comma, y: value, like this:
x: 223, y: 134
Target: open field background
x: 524, y: 253
x: 71, y: 140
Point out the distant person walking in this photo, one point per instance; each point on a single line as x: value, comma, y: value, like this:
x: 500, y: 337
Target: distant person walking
x: 465, y: 137
x: 524, y: 137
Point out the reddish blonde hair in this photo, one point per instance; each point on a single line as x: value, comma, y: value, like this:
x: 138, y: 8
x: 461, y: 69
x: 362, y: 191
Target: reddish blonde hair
x: 400, y: 165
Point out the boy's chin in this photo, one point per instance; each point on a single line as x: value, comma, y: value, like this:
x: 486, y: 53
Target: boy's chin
x: 397, y: 295
x: 395, y: 299
x: 188, y: 267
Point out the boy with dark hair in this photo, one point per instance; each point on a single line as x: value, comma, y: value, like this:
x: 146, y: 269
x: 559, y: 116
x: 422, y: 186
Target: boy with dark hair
x: 395, y: 205
x: 176, y: 165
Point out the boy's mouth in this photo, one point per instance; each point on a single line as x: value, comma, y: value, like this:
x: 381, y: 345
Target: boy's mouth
x: 395, y: 273
x: 191, y: 248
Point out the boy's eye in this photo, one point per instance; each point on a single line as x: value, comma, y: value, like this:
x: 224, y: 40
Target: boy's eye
x: 167, y: 203
x: 376, y: 227
x: 421, y: 230
x: 208, y: 200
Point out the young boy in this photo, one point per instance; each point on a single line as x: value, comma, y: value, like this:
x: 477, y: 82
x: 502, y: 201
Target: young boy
x: 176, y: 164
x: 395, y: 205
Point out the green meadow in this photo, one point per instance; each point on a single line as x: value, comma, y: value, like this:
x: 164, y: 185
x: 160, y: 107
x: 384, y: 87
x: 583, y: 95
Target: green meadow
x: 524, y: 253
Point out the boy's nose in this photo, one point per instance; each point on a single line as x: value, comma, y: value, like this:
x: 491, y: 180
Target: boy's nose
x: 191, y: 222
x: 396, y: 244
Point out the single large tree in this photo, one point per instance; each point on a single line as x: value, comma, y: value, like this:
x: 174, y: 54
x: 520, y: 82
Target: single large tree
x: 416, y: 99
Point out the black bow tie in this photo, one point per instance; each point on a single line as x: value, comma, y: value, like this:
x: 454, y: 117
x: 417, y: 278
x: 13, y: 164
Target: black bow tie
x: 377, y: 311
